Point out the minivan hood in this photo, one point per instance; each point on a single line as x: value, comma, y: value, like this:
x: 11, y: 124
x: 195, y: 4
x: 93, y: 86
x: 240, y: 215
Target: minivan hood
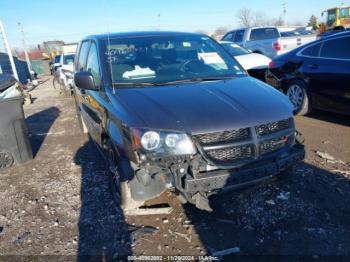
x: 203, y: 107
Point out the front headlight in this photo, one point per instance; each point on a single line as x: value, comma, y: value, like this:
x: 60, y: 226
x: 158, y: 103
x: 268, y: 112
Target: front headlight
x: 150, y: 140
x: 162, y: 143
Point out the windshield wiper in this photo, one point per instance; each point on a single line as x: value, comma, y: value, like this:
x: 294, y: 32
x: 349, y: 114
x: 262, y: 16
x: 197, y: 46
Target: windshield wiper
x: 197, y: 79
x: 137, y: 84
x: 175, y: 82
x: 213, y: 78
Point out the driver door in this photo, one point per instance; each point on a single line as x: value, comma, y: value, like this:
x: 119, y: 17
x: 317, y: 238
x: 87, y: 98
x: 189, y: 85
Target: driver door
x: 90, y: 100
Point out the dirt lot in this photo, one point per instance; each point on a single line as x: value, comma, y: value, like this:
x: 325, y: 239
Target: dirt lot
x: 60, y: 203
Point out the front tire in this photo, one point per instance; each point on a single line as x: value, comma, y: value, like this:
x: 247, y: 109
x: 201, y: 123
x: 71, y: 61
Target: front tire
x: 120, y: 189
x: 6, y: 160
x: 297, y: 94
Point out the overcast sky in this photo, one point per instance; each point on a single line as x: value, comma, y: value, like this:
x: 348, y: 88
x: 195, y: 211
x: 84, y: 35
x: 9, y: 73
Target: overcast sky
x: 70, y: 20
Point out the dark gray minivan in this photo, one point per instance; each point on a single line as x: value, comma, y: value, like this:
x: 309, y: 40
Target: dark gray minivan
x: 175, y: 112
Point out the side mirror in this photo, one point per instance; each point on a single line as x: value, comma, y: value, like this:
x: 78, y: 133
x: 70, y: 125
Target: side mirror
x: 84, y: 80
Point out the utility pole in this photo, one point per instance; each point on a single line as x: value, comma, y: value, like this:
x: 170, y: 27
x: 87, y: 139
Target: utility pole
x: 158, y: 18
x: 8, y: 50
x: 284, y: 6
x: 25, y: 49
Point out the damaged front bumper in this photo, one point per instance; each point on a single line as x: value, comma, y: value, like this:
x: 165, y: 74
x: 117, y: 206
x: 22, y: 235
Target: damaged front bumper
x: 263, y: 152
x: 196, y: 187
x: 232, y: 179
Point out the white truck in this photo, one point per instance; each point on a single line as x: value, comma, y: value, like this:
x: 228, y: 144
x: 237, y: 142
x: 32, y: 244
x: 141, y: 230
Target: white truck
x: 269, y: 41
x: 66, y: 68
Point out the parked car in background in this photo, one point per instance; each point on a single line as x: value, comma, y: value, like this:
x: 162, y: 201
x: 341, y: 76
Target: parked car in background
x: 267, y: 40
x: 174, y: 111
x: 64, y: 67
x: 316, y: 75
x: 67, y: 72
x: 54, y: 64
x: 297, y: 33
x: 255, y: 64
x: 63, y: 73
x: 67, y: 61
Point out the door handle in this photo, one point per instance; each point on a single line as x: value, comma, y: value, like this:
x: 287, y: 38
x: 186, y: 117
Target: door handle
x: 314, y: 66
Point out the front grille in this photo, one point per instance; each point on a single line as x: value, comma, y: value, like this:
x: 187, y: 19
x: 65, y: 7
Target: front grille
x: 273, y: 127
x: 239, y: 145
x: 223, y: 137
x: 232, y: 153
x: 271, y: 145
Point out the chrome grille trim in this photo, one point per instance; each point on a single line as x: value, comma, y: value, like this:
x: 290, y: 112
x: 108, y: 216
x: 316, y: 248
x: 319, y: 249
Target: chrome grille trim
x: 233, y: 153
x: 222, y: 152
x: 223, y: 137
x: 271, y: 145
x: 273, y: 127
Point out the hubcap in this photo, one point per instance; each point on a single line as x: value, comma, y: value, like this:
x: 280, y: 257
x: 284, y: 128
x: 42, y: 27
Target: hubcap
x: 296, y: 96
x: 6, y: 160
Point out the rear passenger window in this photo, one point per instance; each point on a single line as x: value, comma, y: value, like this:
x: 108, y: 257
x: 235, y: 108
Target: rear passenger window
x: 239, y: 36
x: 82, y: 55
x: 313, y: 50
x: 264, y: 33
x: 92, y: 64
x: 228, y: 37
x: 336, y: 48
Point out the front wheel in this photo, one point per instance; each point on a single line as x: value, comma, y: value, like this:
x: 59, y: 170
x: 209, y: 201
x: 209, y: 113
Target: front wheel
x: 6, y: 160
x: 120, y: 189
x: 297, y: 94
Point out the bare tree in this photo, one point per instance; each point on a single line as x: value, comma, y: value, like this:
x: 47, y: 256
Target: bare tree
x: 220, y: 30
x: 260, y: 19
x: 245, y: 17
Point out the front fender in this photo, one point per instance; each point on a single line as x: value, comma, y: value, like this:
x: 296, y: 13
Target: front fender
x: 116, y: 137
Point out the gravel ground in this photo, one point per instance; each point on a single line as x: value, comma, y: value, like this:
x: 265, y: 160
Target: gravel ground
x: 60, y: 203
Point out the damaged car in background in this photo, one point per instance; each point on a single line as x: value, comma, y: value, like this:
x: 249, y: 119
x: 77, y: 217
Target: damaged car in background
x: 255, y: 64
x: 316, y: 75
x: 174, y: 112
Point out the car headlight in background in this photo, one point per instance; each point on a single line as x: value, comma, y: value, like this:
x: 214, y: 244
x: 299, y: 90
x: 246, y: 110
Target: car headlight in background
x: 162, y: 143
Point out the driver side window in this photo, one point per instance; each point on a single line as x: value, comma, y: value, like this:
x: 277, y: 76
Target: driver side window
x: 92, y: 64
